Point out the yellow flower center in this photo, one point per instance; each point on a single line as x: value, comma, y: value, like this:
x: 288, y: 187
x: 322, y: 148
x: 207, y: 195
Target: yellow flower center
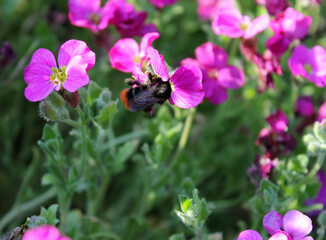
x: 213, y: 73
x: 59, y: 75
x: 244, y: 26
x: 172, y: 86
x: 308, y: 68
x: 95, y: 18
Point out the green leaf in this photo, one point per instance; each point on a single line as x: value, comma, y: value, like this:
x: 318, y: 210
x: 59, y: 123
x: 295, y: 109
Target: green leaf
x: 177, y: 237
x: 35, y: 221
x: 106, y: 115
x: 185, y: 203
x: 94, y: 91
x: 48, y: 132
x: 50, y: 214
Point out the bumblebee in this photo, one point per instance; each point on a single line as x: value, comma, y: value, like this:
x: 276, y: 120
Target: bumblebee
x: 144, y: 96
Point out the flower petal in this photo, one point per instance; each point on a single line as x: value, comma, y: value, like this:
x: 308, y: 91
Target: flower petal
x: 279, y: 236
x: 278, y: 121
x: 158, y: 64
x: 44, y: 232
x: 278, y: 44
x: 231, y: 77
x: 273, y: 221
x: 44, y: 57
x: 76, y: 74
x: 249, y: 235
x: 299, y: 57
x: 187, y: 87
x: 73, y: 48
x: 146, y: 41
x: 210, y: 55
x: 258, y: 25
x: 37, y: 76
x: 139, y: 74
x: 190, y: 61
x: 213, y: 91
x: 123, y: 54
x: 297, y: 224
x: 227, y: 22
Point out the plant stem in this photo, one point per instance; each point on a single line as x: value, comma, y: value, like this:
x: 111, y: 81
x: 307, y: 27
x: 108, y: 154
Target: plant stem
x: 25, y: 207
x: 182, y: 143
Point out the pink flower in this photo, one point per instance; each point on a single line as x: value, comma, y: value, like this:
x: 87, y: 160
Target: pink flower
x: 126, y: 55
x: 278, y: 121
x: 229, y: 21
x: 288, y: 26
x: 44, y: 232
x: 305, y: 106
x: 217, y: 75
x: 186, y: 81
x: 42, y: 74
x: 89, y: 14
x: 249, y: 235
x: 293, y: 226
x: 322, y: 112
x: 208, y: 8
x: 310, y: 64
x: 162, y: 3
x: 127, y: 21
x: 274, y: 7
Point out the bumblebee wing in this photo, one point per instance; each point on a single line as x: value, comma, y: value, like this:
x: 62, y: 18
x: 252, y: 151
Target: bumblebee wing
x: 142, y: 101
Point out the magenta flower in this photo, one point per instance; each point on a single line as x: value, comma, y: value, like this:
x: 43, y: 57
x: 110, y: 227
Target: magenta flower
x: 162, y: 3
x: 278, y: 121
x: 127, y: 56
x: 249, y: 235
x: 322, y: 112
x: 44, y: 232
x: 310, y: 64
x: 89, y: 14
x: 293, y: 226
x: 127, y: 21
x: 208, y: 8
x: 186, y: 81
x: 274, y: 7
x: 288, y: 26
x: 305, y: 106
x: 217, y: 75
x: 229, y: 21
x: 42, y: 74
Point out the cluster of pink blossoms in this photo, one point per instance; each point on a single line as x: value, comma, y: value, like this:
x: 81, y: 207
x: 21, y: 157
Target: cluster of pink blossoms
x: 293, y: 226
x: 90, y: 14
x: 186, y: 82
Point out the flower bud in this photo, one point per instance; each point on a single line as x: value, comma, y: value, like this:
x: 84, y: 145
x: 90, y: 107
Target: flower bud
x: 56, y: 100
x: 71, y: 98
x: 47, y: 111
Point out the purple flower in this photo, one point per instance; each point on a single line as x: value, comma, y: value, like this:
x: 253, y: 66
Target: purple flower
x: 278, y: 121
x: 127, y: 56
x: 288, y: 26
x: 208, y: 8
x: 321, y: 196
x: 7, y: 54
x: 186, y: 81
x: 305, y: 106
x: 310, y: 64
x: 127, y: 21
x: 229, y: 21
x: 217, y: 75
x: 292, y: 24
x: 44, y: 232
x: 162, y: 3
x: 274, y: 7
x: 89, y: 14
x: 293, y: 226
x: 42, y: 75
x: 249, y: 235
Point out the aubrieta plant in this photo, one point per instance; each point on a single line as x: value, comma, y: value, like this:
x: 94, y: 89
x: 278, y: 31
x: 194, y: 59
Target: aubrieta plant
x: 220, y: 133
